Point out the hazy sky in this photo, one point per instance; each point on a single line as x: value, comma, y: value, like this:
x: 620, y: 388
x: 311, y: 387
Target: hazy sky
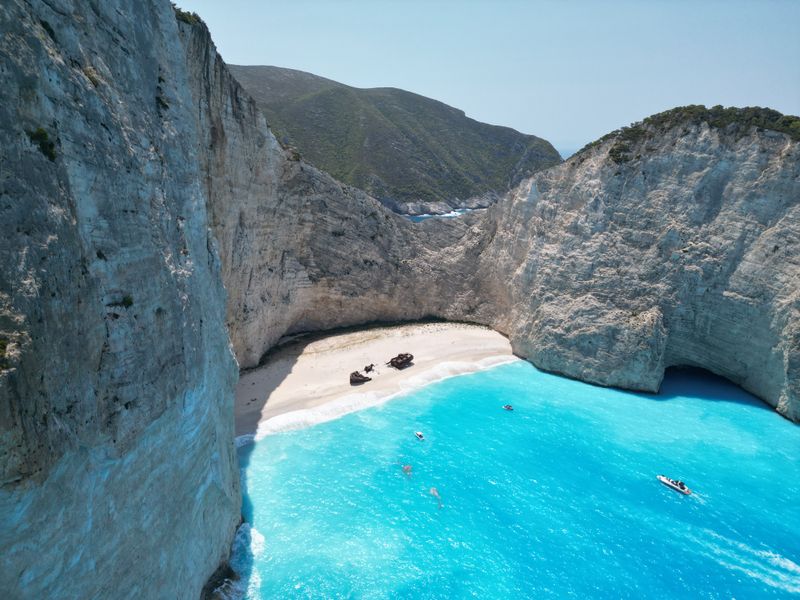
x: 568, y: 71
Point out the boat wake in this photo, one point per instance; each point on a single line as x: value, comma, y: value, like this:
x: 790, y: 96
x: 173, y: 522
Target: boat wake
x: 765, y: 566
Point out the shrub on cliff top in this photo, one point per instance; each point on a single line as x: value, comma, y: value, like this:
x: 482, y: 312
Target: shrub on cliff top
x: 720, y: 117
x: 739, y: 119
x: 192, y: 18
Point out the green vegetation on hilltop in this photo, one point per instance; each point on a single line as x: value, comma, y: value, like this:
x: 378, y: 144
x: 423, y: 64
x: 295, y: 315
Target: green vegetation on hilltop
x: 396, y: 145
x: 738, y: 121
x: 192, y: 18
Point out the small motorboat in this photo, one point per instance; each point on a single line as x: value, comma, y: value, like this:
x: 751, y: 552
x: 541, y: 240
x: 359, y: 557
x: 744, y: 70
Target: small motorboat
x: 419, y: 435
x: 676, y: 485
x: 508, y: 407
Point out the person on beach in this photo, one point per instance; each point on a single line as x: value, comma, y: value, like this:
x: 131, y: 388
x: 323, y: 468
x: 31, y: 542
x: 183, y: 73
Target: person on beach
x: 435, y: 494
x: 369, y: 368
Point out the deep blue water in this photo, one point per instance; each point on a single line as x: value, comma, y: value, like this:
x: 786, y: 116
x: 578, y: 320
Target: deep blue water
x: 555, y: 499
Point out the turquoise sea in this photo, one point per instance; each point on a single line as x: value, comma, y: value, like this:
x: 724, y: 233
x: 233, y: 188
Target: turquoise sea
x: 558, y: 498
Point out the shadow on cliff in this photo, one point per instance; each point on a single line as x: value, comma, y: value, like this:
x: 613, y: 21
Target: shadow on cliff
x: 281, y: 358
x: 280, y: 361
x: 686, y: 381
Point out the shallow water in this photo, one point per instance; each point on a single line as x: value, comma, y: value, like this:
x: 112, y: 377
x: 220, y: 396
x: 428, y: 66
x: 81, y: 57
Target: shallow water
x: 555, y: 499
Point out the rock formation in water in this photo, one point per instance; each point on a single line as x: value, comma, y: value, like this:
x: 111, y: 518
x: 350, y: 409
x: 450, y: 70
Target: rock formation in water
x: 132, y: 162
x: 416, y: 155
x: 119, y: 476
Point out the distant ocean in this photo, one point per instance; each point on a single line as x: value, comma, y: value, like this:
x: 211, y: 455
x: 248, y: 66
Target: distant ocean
x: 557, y: 498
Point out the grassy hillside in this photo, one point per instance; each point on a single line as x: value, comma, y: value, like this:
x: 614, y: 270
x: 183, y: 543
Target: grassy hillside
x: 397, y: 145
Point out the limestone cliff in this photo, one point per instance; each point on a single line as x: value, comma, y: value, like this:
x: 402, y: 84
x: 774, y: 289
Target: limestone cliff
x: 125, y: 143
x: 673, y: 243
x: 118, y: 468
x: 679, y: 248
x: 300, y: 250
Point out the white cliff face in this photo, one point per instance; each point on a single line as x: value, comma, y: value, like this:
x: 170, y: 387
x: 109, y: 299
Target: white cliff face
x: 116, y: 420
x: 301, y: 251
x: 119, y: 476
x: 686, y: 254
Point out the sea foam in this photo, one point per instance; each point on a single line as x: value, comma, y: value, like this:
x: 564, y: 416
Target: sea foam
x: 299, y: 419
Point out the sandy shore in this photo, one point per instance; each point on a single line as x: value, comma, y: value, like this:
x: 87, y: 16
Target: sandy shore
x: 307, y: 381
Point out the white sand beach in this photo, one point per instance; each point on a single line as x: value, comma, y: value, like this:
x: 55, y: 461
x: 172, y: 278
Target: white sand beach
x: 306, y: 381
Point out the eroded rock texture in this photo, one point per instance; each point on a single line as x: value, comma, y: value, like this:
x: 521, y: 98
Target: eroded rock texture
x: 124, y: 142
x: 680, y: 247
x: 118, y: 468
x: 685, y: 252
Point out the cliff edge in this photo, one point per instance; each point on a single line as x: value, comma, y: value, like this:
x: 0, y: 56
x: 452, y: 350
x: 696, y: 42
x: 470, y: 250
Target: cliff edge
x: 676, y: 242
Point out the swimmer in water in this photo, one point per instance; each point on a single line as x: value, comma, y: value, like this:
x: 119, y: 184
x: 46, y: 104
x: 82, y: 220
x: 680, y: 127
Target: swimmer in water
x: 407, y: 469
x: 435, y: 494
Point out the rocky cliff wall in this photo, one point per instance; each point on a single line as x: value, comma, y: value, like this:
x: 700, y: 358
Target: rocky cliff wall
x: 301, y: 251
x: 123, y: 139
x: 685, y: 251
x: 119, y: 477
x: 678, y: 247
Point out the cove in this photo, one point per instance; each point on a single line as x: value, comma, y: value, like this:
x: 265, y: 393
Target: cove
x: 558, y: 498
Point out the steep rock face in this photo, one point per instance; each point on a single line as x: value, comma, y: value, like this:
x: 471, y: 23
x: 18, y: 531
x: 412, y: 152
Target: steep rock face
x: 686, y: 251
x: 123, y: 138
x: 301, y: 251
x: 678, y: 246
x: 118, y: 473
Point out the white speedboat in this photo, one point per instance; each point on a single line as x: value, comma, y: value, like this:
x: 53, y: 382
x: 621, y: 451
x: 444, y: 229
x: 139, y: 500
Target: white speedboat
x: 419, y: 435
x: 676, y: 485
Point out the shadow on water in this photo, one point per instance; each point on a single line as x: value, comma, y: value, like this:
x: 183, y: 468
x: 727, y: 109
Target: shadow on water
x: 695, y: 382
x: 242, y: 558
x: 245, y: 452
